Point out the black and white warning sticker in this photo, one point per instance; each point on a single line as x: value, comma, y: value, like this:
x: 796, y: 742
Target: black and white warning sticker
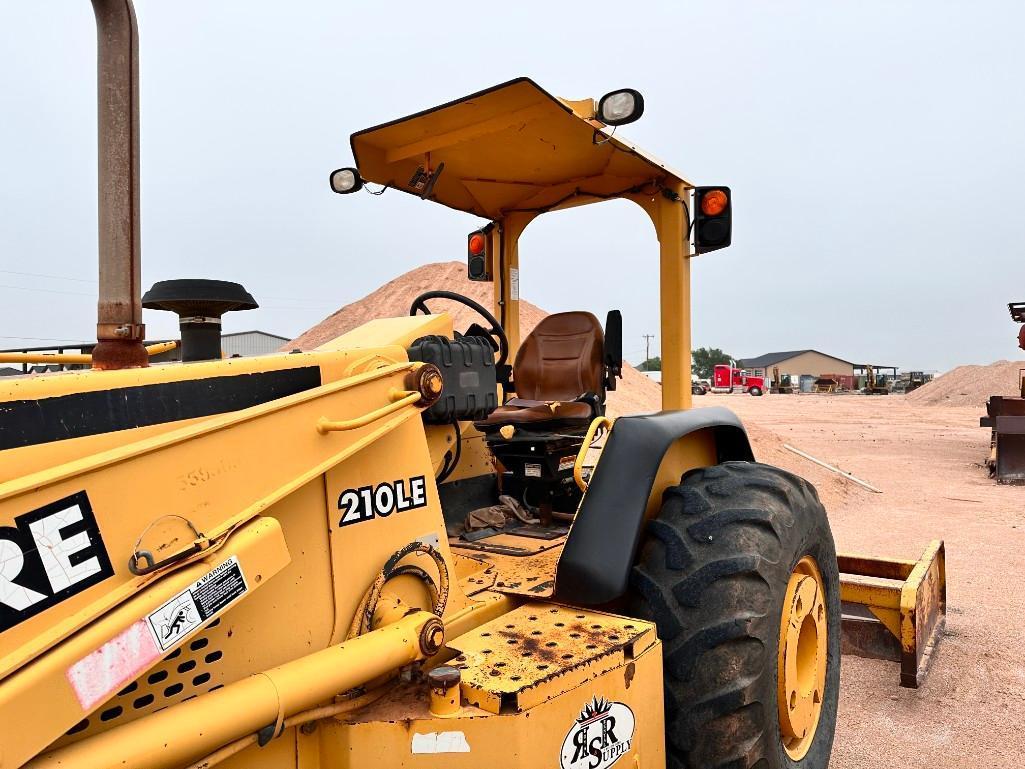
x: 210, y: 594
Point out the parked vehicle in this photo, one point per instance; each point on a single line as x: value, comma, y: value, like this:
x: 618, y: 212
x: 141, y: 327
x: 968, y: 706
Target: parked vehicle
x: 727, y: 379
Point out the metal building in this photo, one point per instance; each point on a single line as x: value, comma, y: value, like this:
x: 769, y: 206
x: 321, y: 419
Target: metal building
x: 245, y: 344
x: 797, y: 363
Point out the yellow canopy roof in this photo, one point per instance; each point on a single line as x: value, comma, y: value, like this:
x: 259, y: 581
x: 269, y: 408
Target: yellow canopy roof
x: 511, y: 147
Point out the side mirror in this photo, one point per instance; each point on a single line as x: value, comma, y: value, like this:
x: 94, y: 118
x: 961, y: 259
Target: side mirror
x: 346, y: 180
x: 620, y: 107
x: 613, y: 352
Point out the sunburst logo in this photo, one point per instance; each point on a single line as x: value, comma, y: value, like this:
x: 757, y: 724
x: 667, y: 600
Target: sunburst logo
x: 598, y: 706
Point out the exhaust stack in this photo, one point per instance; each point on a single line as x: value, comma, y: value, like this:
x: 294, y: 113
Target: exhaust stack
x: 119, y: 328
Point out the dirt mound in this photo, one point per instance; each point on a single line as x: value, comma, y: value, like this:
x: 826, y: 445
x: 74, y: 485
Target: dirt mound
x: 392, y: 300
x: 636, y: 393
x: 969, y: 385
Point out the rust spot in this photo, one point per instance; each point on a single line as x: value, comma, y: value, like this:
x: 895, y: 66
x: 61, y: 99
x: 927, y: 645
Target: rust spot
x: 112, y: 354
x: 531, y: 646
x: 628, y: 673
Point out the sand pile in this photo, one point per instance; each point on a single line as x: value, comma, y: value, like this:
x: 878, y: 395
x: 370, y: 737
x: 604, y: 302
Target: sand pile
x: 636, y: 393
x: 969, y: 385
x: 392, y: 300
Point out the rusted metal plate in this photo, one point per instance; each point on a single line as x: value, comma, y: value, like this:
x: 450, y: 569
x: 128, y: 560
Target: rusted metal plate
x: 1006, y: 417
x: 474, y: 574
x: 871, y: 566
x: 532, y: 576
x: 895, y: 609
x: 508, y: 544
x: 923, y: 614
x: 540, y: 650
x: 865, y: 636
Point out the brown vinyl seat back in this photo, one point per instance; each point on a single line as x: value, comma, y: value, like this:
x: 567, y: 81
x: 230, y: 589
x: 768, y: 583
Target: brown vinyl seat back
x: 561, y: 359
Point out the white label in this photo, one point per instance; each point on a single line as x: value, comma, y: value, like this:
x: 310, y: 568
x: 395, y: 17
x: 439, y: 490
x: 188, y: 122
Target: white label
x: 602, y: 734
x: 440, y: 742
x: 434, y: 540
x: 532, y: 471
x: 514, y: 283
x: 208, y: 596
x: 118, y: 662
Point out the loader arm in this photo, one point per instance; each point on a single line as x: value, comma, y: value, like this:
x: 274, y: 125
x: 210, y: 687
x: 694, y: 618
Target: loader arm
x: 222, y: 475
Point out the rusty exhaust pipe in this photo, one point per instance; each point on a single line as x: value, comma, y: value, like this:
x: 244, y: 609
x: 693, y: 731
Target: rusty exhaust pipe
x: 119, y: 327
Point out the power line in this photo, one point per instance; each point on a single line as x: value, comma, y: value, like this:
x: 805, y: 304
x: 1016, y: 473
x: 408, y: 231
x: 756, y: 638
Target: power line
x: 42, y: 275
x: 47, y: 291
x: 44, y: 339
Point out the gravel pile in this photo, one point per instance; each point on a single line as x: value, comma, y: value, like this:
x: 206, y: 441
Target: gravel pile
x: 635, y: 394
x: 969, y: 385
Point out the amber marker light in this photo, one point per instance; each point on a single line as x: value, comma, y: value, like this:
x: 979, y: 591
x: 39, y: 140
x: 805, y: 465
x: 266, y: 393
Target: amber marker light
x: 714, y: 203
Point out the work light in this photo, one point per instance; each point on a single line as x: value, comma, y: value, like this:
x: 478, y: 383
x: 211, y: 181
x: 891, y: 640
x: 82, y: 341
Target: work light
x: 620, y: 107
x: 346, y: 180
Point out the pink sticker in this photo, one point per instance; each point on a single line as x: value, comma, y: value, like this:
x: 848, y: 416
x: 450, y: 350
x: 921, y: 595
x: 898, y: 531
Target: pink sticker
x: 119, y: 661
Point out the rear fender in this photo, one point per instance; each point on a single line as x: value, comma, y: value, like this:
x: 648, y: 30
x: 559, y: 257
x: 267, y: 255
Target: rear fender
x: 643, y: 456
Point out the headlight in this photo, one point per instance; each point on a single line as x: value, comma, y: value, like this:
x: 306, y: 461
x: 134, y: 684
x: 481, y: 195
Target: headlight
x: 346, y: 180
x: 620, y: 107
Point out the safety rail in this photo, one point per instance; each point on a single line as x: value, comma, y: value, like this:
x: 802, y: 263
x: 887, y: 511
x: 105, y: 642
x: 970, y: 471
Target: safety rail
x: 578, y: 466
x: 71, y: 358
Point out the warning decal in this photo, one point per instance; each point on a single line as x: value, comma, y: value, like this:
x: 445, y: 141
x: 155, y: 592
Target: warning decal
x: 192, y: 607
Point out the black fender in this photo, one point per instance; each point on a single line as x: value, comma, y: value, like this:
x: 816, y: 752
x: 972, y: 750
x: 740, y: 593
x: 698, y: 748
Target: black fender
x: 595, y: 564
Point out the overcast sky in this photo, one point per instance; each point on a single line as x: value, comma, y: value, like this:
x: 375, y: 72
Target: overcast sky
x: 874, y: 150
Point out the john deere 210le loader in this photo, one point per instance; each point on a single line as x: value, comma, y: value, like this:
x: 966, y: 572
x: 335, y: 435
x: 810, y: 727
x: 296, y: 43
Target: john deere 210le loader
x: 392, y: 550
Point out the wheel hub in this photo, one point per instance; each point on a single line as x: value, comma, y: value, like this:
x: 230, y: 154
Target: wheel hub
x: 802, y: 658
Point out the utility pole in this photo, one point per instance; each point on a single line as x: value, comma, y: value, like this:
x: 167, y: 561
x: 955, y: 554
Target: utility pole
x: 647, y: 346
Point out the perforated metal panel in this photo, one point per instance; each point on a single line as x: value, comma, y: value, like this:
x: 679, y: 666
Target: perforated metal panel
x: 187, y: 672
x: 540, y: 650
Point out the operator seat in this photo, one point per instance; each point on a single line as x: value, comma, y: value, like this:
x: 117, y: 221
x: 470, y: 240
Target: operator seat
x: 559, y: 375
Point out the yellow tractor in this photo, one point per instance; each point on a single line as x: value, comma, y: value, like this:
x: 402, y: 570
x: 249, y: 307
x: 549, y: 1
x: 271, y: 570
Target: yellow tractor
x: 392, y: 550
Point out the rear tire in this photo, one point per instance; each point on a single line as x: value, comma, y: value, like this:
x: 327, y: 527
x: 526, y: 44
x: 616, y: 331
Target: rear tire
x: 713, y: 575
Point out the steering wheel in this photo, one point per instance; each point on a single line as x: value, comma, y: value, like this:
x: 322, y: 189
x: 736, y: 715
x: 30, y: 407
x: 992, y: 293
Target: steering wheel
x: 420, y: 305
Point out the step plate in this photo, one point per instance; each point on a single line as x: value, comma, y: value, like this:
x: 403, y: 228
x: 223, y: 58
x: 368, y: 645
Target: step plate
x: 540, y: 650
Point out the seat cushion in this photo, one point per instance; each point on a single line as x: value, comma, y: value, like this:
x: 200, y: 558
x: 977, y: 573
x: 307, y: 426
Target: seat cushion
x: 537, y: 415
x: 561, y: 359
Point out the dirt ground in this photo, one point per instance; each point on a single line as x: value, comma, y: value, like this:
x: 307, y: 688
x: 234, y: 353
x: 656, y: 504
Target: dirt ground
x: 927, y: 460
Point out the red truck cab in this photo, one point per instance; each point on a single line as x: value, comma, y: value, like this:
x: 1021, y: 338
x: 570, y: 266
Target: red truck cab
x: 727, y: 379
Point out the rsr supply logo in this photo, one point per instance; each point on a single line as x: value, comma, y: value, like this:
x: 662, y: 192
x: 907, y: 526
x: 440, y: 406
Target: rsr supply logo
x: 602, y: 734
x: 369, y: 502
x: 49, y: 555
